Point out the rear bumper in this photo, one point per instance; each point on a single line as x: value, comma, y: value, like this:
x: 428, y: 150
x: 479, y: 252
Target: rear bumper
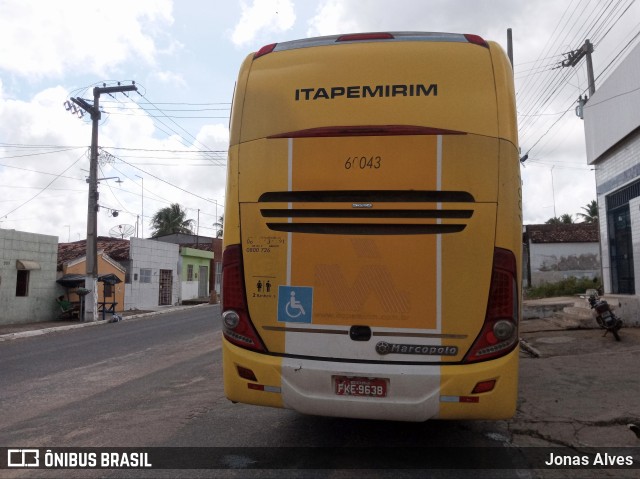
x: 415, y: 392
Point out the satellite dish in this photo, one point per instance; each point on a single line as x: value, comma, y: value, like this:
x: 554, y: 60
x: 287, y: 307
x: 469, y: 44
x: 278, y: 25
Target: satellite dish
x: 122, y: 231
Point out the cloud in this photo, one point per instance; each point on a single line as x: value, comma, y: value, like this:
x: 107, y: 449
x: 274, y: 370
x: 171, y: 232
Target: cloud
x: 48, y: 39
x: 263, y: 16
x: 171, y: 78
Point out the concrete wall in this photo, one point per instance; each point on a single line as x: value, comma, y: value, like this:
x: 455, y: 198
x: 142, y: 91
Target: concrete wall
x: 552, y: 262
x: 39, y: 304
x: 612, y: 112
x: 153, y: 255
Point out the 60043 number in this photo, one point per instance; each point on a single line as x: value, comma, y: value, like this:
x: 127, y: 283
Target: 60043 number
x: 363, y: 163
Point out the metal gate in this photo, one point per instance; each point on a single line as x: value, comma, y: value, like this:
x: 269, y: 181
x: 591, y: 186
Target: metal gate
x: 166, y: 287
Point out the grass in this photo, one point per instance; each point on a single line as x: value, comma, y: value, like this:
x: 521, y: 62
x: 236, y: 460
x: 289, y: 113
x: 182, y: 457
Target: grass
x: 567, y: 287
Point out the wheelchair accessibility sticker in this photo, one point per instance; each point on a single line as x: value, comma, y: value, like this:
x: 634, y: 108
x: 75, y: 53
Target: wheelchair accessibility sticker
x: 295, y: 304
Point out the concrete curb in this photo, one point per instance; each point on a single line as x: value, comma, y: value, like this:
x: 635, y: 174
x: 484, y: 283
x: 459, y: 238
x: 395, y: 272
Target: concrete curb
x: 39, y: 332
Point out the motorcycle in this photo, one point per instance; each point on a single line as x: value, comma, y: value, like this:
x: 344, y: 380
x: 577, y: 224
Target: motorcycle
x: 605, y: 317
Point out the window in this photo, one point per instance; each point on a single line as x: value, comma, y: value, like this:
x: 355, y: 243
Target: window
x: 145, y: 275
x: 22, y: 284
x: 189, y: 272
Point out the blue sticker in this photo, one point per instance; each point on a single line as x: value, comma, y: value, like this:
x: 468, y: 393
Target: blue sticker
x: 295, y: 304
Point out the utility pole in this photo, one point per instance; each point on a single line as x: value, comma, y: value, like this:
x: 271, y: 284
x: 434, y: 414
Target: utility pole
x: 572, y: 60
x: 91, y: 279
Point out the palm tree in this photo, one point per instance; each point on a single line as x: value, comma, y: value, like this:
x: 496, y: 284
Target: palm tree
x: 565, y: 219
x: 172, y: 219
x: 590, y: 214
x: 219, y: 225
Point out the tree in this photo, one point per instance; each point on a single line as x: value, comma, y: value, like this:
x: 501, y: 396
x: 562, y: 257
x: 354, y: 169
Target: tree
x: 219, y: 225
x: 565, y: 219
x: 590, y: 214
x: 172, y: 219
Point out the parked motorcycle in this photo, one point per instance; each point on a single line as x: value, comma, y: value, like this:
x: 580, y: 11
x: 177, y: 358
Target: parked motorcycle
x: 605, y: 317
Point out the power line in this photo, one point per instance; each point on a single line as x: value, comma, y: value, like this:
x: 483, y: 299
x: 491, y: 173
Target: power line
x: 43, y: 189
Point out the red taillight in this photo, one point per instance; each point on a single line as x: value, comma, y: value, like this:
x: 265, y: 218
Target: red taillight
x: 476, y: 40
x: 363, y: 37
x: 264, y: 50
x: 237, y: 327
x: 499, y: 333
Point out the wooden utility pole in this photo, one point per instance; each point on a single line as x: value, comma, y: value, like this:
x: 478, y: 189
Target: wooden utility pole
x: 91, y: 279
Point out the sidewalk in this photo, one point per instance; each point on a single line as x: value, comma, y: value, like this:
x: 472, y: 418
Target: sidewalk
x: 23, y: 330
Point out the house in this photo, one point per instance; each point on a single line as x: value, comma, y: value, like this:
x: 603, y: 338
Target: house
x: 203, y: 243
x: 612, y: 134
x: 556, y: 252
x: 150, y: 268
x: 195, y: 266
x: 27, y: 277
x: 71, y: 272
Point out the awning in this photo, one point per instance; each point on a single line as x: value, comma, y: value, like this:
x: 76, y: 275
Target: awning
x: 109, y: 279
x: 71, y: 280
x: 27, y: 264
x: 75, y: 280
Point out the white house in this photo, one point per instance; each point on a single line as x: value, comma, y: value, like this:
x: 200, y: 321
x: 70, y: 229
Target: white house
x: 153, y: 278
x: 27, y: 277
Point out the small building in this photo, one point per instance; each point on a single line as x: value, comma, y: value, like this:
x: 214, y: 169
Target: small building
x: 195, y: 267
x: 151, y: 269
x: 153, y: 278
x: 108, y: 291
x: 556, y: 252
x: 203, y: 243
x: 27, y: 277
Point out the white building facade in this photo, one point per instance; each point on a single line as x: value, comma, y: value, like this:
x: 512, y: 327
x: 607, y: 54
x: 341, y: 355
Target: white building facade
x: 154, y: 278
x: 612, y: 131
x: 28, y: 287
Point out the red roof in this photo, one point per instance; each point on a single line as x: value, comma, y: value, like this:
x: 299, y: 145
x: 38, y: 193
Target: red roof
x: 564, y: 233
x: 116, y: 248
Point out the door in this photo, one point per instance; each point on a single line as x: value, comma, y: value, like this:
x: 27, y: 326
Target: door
x: 203, y: 280
x: 621, y: 250
x: 166, y: 287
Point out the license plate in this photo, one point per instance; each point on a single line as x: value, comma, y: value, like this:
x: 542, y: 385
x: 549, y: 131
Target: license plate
x: 355, y: 386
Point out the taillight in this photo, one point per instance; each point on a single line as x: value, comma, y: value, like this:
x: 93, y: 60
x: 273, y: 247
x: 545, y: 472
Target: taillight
x: 499, y: 333
x: 476, y: 40
x: 236, y: 324
x: 364, y: 37
x: 264, y: 50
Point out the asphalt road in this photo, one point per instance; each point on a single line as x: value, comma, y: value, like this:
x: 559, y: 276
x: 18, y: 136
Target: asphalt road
x: 157, y: 382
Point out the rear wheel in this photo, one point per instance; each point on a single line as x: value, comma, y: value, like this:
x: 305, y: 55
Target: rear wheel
x: 616, y: 329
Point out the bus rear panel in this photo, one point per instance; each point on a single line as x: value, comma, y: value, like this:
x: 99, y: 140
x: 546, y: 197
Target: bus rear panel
x: 373, y: 229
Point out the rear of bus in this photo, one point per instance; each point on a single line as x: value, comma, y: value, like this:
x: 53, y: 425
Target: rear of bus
x: 372, y: 233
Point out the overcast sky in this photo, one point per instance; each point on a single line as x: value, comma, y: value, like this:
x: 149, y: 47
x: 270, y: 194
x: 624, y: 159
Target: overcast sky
x: 167, y: 143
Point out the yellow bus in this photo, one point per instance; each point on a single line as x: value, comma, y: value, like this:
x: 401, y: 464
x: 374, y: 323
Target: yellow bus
x: 372, y: 233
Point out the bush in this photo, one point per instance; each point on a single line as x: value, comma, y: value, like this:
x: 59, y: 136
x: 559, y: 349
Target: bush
x: 567, y: 287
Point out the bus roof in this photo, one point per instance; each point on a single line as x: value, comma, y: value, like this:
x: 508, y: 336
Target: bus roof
x: 371, y: 37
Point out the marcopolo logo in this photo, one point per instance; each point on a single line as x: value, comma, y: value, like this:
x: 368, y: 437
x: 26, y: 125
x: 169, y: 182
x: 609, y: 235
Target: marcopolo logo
x: 384, y: 347
x: 23, y: 458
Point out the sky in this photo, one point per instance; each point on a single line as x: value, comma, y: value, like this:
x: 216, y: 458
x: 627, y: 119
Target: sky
x: 167, y: 142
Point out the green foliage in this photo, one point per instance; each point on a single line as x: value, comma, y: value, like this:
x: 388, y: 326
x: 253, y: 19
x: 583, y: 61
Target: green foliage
x: 567, y: 287
x: 172, y: 219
